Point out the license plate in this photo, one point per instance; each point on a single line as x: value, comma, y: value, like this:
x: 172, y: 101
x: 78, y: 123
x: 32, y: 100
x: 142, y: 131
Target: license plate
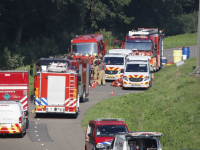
x: 7, y: 125
x: 39, y: 106
x: 135, y: 83
x: 110, y: 76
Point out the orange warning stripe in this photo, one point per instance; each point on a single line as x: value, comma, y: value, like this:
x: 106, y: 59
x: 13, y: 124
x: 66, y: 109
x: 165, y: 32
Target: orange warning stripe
x: 136, y: 76
x: 13, y: 129
x: 113, y: 68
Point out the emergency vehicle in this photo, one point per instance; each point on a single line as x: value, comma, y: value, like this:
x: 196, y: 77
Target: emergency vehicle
x: 60, y: 84
x: 12, y: 118
x: 147, y: 41
x: 90, y: 44
x: 137, y: 72
x: 137, y: 141
x: 14, y: 86
x: 100, y: 132
x: 115, y: 62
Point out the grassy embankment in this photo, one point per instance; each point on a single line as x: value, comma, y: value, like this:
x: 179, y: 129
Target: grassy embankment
x: 171, y: 106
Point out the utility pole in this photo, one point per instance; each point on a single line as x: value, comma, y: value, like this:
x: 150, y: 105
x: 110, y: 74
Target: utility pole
x: 197, y: 69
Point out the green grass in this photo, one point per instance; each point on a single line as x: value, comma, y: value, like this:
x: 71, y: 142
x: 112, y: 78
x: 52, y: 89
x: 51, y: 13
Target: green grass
x: 31, y: 79
x: 171, y: 106
x: 180, y: 40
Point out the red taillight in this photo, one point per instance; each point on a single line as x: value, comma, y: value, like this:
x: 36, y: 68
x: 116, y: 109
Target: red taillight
x: 20, y: 119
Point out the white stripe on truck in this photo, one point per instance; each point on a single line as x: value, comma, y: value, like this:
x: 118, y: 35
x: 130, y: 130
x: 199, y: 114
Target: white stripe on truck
x: 13, y: 87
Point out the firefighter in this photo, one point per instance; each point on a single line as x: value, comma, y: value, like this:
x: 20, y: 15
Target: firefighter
x: 152, y: 62
x: 102, y: 68
x: 96, y: 67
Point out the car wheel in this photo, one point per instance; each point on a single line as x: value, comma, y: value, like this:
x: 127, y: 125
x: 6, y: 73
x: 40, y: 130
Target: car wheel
x: 21, y: 135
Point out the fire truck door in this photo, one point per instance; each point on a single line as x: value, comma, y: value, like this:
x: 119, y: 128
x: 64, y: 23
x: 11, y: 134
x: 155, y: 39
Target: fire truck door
x: 56, y: 90
x: 80, y: 82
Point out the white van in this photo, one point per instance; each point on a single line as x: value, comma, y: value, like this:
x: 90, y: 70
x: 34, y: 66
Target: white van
x: 137, y: 141
x: 12, y: 118
x: 115, y: 62
x: 137, y: 72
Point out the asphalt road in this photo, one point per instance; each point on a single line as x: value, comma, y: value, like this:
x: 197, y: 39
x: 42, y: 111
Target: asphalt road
x: 60, y: 132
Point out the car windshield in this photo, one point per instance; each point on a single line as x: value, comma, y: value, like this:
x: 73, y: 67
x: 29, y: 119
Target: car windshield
x: 109, y: 130
x: 114, y: 60
x: 84, y: 48
x: 136, y: 68
x: 141, y: 46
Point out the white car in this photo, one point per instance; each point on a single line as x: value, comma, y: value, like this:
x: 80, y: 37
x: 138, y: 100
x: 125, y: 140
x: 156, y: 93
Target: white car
x: 137, y: 73
x: 115, y: 62
x: 12, y: 118
x: 137, y: 140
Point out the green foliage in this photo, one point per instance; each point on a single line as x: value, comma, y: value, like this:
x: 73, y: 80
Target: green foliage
x: 180, y: 40
x: 9, y: 61
x: 171, y: 106
x: 108, y: 36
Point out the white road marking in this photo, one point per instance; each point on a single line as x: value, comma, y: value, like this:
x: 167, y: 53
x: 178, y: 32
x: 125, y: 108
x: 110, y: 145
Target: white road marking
x: 38, y: 139
x: 35, y: 126
x: 42, y: 144
x: 35, y: 131
x: 169, y: 55
x: 38, y: 119
x: 36, y: 123
x: 37, y: 135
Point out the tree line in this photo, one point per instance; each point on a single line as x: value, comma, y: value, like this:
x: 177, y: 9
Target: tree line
x: 30, y: 29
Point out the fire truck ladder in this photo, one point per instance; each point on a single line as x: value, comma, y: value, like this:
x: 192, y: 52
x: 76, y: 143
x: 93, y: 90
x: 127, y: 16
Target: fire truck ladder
x: 71, y: 86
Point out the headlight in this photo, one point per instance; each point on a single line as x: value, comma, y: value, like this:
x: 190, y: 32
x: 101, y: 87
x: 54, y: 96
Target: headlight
x: 147, y: 78
x: 100, y: 145
x: 125, y: 78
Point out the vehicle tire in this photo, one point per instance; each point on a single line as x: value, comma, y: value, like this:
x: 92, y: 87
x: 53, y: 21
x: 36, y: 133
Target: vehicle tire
x: 82, y: 99
x: 123, y: 88
x: 21, y: 135
x: 74, y: 116
x: 27, y: 123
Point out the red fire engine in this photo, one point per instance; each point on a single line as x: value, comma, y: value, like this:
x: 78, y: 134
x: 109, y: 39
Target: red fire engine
x: 14, y: 85
x: 59, y: 84
x: 146, y: 41
x: 89, y: 44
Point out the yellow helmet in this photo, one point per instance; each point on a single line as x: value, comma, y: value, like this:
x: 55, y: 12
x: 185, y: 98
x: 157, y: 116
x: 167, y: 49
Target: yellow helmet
x: 94, y: 54
x: 86, y: 55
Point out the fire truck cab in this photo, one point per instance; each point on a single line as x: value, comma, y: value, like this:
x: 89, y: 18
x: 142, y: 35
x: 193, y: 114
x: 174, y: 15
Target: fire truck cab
x: 100, y: 132
x: 89, y: 44
x: 115, y: 62
x: 60, y: 84
x: 147, y: 41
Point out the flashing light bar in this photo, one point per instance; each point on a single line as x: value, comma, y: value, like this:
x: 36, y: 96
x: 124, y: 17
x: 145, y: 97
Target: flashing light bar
x: 143, y: 31
x: 58, y: 67
x: 120, y: 119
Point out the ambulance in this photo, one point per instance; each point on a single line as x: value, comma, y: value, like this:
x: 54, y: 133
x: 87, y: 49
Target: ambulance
x: 115, y: 62
x: 137, y: 73
x: 137, y: 141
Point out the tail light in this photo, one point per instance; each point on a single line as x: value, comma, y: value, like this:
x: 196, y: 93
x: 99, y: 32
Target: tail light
x: 20, y: 119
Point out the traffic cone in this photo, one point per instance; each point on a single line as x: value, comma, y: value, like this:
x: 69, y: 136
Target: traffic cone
x: 89, y: 87
x: 179, y: 48
x: 111, y: 94
x: 92, y: 85
x: 137, y: 146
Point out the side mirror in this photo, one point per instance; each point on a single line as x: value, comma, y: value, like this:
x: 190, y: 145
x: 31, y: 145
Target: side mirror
x: 31, y: 72
x: 122, y: 71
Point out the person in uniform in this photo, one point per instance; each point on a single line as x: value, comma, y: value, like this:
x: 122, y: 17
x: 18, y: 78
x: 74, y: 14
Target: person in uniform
x: 102, y: 67
x: 96, y: 67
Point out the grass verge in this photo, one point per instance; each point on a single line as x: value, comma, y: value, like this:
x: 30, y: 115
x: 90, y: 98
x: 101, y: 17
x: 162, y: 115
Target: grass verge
x: 180, y: 40
x: 171, y: 106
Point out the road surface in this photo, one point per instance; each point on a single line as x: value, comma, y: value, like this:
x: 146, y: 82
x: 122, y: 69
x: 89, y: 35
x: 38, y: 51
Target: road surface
x: 60, y: 132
